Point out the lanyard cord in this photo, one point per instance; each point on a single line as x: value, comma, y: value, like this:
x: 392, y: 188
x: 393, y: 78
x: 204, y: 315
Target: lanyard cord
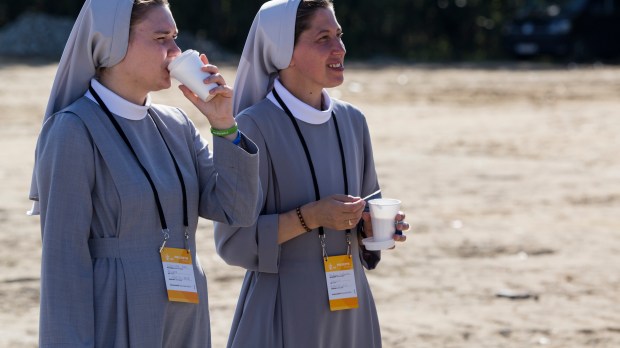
x: 309, y: 159
x: 160, y: 210
x: 179, y: 175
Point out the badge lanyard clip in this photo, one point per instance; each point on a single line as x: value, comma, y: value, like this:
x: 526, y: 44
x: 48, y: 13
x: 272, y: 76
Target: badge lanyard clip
x: 349, y: 243
x: 322, y: 239
x: 186, y: 239
x: 166, y: 234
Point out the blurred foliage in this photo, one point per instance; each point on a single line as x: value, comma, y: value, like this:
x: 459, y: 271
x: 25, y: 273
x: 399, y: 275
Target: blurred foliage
x: 403, y: 29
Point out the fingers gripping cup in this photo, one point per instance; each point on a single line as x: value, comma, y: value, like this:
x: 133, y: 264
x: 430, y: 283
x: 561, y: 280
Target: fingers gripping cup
x: 383, y: 212
x: 186, y: 69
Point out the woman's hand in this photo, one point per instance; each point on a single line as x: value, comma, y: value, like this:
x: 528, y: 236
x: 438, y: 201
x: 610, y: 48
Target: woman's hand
x: 219, y: 109
x: 399, y: 221
x: 337, y: 212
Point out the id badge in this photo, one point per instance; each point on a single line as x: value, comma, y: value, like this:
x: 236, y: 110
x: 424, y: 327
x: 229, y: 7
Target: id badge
x: 179, y: 275
x: 340, y: 282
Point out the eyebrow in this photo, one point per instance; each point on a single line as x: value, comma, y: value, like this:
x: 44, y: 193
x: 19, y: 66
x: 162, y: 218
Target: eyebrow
x: 165, y: 32
x: 323, y: 31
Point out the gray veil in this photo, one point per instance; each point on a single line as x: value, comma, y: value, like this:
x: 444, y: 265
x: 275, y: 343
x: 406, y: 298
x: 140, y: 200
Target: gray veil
x: 99, y: 38
x: 268, y: 49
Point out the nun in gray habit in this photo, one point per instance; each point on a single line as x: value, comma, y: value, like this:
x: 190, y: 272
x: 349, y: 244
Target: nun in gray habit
x: 104, y: 201
x: 284, y: 297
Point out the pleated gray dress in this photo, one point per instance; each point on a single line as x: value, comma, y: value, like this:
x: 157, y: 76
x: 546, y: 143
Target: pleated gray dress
x: 102, y: 282
x: 284, y: 300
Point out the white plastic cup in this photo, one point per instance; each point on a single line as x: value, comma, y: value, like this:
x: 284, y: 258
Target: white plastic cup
x: 383, y: 213
x: 186, y: 69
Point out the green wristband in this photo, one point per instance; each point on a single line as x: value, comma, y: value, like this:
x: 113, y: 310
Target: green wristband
x: 224, y: 132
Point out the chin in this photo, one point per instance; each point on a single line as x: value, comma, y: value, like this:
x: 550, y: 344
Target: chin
x: 163, y: 85
x: 335, y: 83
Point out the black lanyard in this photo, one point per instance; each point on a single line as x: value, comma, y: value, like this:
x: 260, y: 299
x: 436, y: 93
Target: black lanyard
x: 315, y: 182
x: 160, y: 210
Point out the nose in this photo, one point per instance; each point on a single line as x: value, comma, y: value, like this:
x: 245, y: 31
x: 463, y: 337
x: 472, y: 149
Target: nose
x: 174, y: 50
x: 339, y: 48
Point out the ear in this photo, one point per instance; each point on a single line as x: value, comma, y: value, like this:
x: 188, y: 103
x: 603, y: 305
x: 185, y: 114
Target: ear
x: 292, y: 62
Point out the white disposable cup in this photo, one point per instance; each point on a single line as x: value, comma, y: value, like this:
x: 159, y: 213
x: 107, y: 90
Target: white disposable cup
x: 186, y: 69
x: 383, y: 213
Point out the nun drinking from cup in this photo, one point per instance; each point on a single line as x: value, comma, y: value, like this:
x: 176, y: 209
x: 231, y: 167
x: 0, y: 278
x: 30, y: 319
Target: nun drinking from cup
x: 120, y: 182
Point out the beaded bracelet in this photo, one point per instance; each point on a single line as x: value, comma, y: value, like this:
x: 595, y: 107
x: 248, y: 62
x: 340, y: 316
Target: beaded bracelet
x: 301, y: 219
x: 224, y: 132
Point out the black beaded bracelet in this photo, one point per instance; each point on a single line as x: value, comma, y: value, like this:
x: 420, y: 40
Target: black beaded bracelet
x: 301, y: 219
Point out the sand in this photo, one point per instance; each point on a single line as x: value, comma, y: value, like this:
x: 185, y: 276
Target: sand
x: 509, y: 175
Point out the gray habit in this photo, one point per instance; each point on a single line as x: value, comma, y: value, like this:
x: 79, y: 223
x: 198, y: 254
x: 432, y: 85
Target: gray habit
x: 284, y: 300
x: 102, y: 282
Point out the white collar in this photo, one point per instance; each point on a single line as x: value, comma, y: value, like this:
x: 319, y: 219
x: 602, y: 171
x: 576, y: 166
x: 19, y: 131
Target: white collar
x: 301, y: 110
x: 118, y: 105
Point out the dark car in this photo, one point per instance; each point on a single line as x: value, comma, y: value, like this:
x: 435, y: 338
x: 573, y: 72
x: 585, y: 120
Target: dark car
x: 577, y: 29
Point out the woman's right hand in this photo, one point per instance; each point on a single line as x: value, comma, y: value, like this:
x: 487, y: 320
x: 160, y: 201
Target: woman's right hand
x: 219, y: 109
x: 337, y: 212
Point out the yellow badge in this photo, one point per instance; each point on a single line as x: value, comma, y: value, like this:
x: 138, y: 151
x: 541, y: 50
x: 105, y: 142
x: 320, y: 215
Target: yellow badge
x: 179, y: 275
x: 340, y: 282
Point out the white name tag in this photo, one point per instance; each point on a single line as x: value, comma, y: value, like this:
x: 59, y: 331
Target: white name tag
x: 179, y: 275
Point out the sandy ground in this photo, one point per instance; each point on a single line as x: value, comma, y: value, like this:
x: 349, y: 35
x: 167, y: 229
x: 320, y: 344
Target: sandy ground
x: 509, y: 174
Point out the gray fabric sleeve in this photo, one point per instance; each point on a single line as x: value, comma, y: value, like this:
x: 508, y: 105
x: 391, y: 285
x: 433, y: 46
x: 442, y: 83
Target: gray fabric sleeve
x: 370, y: 184
x: 65, y: 178
x: 254, y: 247
x: 230, y: 190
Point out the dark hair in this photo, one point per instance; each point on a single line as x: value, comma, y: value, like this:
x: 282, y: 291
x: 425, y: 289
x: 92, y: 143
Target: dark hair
x: 141, y: 7
x: 305, y: 11
x: 138, y: 12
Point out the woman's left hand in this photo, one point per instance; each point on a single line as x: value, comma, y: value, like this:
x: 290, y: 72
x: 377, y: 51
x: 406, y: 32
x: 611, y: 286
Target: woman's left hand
x: 401, y: 226
x: 219, y: 109
x: 400, y: 223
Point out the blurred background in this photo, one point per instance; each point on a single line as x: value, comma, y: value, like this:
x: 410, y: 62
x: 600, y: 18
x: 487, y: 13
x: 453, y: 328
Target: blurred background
x: 398, y: 30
